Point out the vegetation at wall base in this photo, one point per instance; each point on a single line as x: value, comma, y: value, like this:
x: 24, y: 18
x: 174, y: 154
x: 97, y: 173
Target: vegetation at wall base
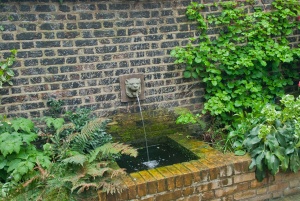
x: 73, y: 164
x: 273, y: 137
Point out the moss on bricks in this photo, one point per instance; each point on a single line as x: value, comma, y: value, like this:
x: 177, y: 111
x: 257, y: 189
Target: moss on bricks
x: 129, y: 127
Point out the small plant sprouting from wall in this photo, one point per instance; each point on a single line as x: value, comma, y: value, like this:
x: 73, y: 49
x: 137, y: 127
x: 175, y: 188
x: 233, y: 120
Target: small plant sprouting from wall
x: 6, y: 73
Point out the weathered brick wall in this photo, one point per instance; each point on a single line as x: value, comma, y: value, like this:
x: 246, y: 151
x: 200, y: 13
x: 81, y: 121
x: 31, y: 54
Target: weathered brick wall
x: 76, y: 52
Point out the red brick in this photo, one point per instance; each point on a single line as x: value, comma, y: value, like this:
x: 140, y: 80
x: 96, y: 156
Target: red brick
x: 294, y: 183
x: 161, y: 182
x: 244, y: 177
x: 243, y: 186
x: 193, y: 198
x: 141, y: 186
x: 169, y: 196
x: 169, y: 177
x: 131, y: 187
x: 151, y: 182
x: 123, y: 195
x: 279, y: 187
x: 229, y: 190
x: 262, y: 190
x: 188, y: 191
x: 245, y: 194
x: 195, y: 171
x: 187, y: 175
x: 207, y: 195
x: 101, y: 196
x: 291, y: 191
x: 241, y: 167
x: 256, y: 183
x: 261, y: 197
x: 178, y: 176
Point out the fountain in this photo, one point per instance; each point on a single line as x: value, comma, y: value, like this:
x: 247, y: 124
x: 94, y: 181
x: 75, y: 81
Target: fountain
x: 132, y: 89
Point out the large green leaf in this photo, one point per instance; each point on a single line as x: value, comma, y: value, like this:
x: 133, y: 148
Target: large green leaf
x: 259, y: 161
x: 22, y: 124
x: 294, y: 162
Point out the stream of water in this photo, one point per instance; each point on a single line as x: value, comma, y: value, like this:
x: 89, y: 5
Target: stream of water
x: 153, y: 163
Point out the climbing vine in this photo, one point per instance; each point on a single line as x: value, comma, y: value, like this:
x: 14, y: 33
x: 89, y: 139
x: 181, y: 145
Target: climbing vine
x: 250, y: 62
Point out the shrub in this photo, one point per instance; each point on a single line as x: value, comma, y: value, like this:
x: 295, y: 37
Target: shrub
x: 272, y: 137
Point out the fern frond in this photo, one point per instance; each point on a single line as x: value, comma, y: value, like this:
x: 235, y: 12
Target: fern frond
x: 95, y: 172
x: 65, y: 127
x: 91, y: 136
x: 76, y: 159
x: 116, y: 148
x: 92, y: 126
x: 112, y: 186
x: 118, y: 173
x: 84, y: 186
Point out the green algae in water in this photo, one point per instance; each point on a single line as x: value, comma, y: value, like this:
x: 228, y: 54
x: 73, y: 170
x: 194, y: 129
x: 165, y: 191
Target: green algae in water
x: 165, y: 154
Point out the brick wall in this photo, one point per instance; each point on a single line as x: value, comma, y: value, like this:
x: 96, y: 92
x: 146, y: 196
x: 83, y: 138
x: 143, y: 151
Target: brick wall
x: 77, y: 50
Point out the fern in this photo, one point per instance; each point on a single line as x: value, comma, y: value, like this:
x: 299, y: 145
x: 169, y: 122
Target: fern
x: 78, y: 159
x: 91, y: 136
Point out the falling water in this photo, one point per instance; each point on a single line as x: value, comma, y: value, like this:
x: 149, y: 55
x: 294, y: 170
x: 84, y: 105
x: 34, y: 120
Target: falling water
x: 149, y: 164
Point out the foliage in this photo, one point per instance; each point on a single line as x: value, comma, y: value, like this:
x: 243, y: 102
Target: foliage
x: 55, y: 107
x: 18, y: 156
x: 79, y: 118
x: 244, y: 64
x: 211, y: 129
x: 67, y: 168
x: 6, y: 73
x: 272, y: 137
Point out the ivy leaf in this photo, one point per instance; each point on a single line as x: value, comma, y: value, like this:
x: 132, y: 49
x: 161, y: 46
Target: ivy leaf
x: 238, y: 103
x: 187, y: 74
x: 289, y: 31
x: 194, y: 75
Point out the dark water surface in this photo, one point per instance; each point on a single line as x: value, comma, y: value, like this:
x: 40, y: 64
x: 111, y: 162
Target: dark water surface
x: 164, y: 154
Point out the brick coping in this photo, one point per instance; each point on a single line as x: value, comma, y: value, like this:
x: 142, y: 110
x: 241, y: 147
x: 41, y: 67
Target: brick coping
x: 214, y: 176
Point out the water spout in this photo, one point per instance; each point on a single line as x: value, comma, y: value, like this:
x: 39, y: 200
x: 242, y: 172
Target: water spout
x: 153, y: 163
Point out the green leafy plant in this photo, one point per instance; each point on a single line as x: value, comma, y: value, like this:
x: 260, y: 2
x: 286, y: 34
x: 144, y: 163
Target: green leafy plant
x: 6, y: 73
x: 273, y: 140
x: 244, y: 64
x: 77, y: 171
x: 74, y: 165
x: 79, y: 118
x: 18, y: 156
x: 55, y: 107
